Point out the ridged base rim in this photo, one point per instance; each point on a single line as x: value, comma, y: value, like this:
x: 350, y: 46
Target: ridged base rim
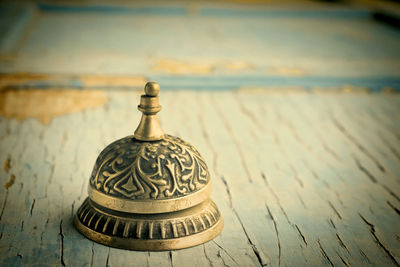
x: 149, y: 232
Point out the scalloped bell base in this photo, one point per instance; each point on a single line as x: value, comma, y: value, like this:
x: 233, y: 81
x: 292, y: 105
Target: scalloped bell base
x: 149, y: 232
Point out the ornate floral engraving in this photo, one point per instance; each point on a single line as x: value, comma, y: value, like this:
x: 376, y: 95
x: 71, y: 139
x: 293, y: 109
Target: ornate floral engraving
x: 162, y: 169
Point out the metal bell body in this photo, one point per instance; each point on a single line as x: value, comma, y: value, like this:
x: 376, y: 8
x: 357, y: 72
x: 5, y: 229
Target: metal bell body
x: 149, y: 191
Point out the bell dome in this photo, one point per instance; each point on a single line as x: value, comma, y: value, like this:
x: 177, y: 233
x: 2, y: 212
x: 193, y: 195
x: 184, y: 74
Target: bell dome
x: 129, y: 173
x: 150, y: 190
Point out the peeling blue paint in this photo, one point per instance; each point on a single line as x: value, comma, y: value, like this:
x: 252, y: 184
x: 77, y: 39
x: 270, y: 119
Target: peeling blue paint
x: 337, y: 13
x: 235, y: 81
x: 231, y: 82
x: 110, y: 9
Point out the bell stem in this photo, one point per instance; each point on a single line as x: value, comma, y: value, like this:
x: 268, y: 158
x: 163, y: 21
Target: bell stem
x: 149, y: 128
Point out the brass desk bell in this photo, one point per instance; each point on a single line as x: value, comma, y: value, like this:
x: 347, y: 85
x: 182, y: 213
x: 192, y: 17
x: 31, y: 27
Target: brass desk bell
x: 150, y: 190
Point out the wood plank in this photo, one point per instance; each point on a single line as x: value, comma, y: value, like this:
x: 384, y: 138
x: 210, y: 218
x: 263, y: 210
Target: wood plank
x: 300, y: 179
x: 247, y: 41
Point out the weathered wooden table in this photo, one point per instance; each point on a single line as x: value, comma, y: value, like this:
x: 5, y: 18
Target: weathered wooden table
x: 301, y: 178
x: 294, y: 109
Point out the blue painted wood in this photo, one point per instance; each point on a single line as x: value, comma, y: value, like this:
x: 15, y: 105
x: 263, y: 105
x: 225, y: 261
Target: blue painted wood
x: 225, y: 82
x: 113, y: 9
x: 328, y: 47
x: 230, y: 82
x: 337, y: 13
x: 319, y: 175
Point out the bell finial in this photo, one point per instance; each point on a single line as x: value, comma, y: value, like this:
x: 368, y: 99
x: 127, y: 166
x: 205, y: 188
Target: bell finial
x: 152, y: 89
x: 149, y: 128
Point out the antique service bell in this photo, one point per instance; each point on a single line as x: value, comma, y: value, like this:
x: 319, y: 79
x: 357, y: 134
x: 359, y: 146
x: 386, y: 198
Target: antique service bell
x: 150, y: 190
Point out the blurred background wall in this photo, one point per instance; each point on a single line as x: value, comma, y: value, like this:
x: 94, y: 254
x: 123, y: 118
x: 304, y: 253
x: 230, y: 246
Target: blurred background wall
x: 200, y: 44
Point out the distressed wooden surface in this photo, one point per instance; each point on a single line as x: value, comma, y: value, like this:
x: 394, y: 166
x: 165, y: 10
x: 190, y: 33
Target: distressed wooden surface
x: 301, y: 179
x: 306, y: 41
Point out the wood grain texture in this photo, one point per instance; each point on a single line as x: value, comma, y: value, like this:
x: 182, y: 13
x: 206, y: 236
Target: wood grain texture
x: 301, y: 179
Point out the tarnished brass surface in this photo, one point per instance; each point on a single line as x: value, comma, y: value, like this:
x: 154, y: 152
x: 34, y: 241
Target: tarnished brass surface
x: 150, y: 190
x: 150, y: 205
x: 164, y: 231
x: 149, y: 128
x: 159, y: 170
